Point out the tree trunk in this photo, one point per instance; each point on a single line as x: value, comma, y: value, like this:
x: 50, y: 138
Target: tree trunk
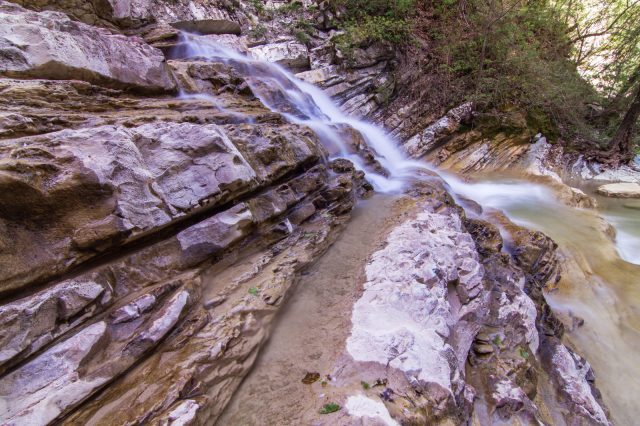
x: 620, y: 145
x: 635, y: 76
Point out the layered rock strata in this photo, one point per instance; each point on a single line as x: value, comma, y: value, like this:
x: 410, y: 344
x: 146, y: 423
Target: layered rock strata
x: 147, y: 238
x: 149, y: 241
x: 462, y: 327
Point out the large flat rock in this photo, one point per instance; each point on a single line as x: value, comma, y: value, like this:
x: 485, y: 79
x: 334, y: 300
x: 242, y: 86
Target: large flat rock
x: 620, y: 190
x: 82, y: 192
x: 201, y: 16
x: 51, y: 45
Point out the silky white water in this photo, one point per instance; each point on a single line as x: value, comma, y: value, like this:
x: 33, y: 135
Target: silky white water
x: 302, y: 103
x: 603, y: 289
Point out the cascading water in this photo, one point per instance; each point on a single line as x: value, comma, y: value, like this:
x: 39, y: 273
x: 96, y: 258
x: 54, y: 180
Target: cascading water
x: 525, y: 203
x: 303, y: 103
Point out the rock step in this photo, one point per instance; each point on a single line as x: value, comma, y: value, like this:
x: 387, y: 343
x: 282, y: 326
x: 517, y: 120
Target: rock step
x: 620, y: 190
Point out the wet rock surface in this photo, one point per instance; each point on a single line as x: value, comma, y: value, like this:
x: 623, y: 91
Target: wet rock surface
x: 148, y: 241
x: 620, y: 190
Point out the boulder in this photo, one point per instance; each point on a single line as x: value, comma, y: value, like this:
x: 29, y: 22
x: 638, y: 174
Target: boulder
x: 290, y: 54
x: 51, y: 45
x: 620, y: 190
x: 423, y: 289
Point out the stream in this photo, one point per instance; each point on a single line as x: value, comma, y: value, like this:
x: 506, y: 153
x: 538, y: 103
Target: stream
x: 597, y: 298
x: 600, y: 282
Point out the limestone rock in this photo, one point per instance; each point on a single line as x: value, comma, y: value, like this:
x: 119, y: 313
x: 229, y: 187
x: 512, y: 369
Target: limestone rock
x: 573, y: 376
x: 211, y: 349
x: 620, y: 190
x: 213, y: 15
x: 93, y: 189
x: 425, y: 141
x: 42, y: 389
x: 51, y: 45
x: 30, y: 323
x: 208, y: 26
x: 407, y: 318
x: 290, y: 54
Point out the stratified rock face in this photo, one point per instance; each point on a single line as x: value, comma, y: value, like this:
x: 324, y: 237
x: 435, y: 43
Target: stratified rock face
x: 146, y: 239
x: 165, y: 11
x: 206, y: 17
x: 429, y: 138
x: 92, y: 188
x: 409, y: 319
x: 50, y: 45
x: 291, y: 54
x: 92, y: 328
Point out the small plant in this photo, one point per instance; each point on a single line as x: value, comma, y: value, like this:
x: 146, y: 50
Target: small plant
x: 258, y: 32
x: 365, y: 385
x: 258, y: 6
x: 524, y: 353
x: 301, y: 36
x: 497, y: 340
x: 289, y: 7
x: 329, y: 408
x: 253, y: 291
x: 302, y: 30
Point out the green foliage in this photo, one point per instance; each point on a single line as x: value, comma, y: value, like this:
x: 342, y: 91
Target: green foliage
x: 372, y: 29
x: 359, y: 8
x: 330, y: 408
x: 370, y: 21
x: 509, y: 53
x: 365, y: 385
x: 253, y: 291
x: 302, y: 30
x: 258, y: 31
x: 497, y: 340
x: 258, y: 5
x: 290, y: 7
x: 524, y: 353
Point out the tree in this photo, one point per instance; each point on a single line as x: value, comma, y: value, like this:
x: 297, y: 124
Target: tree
x: 606, y: 39
x: 620, y: 145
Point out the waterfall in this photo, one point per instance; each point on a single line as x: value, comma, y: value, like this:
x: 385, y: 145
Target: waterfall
x: 302, y: 103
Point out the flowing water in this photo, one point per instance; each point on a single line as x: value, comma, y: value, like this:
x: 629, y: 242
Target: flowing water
x: 601, y: 280
x: 305, y: 104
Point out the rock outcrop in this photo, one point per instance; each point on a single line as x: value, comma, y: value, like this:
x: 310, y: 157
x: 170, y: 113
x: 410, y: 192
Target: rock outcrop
x: 144, y: 230
x: 50, y: 45
x: 463, y: 329
x: 148, y: 241
x: 209, y: 17
x: 620, y: 190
